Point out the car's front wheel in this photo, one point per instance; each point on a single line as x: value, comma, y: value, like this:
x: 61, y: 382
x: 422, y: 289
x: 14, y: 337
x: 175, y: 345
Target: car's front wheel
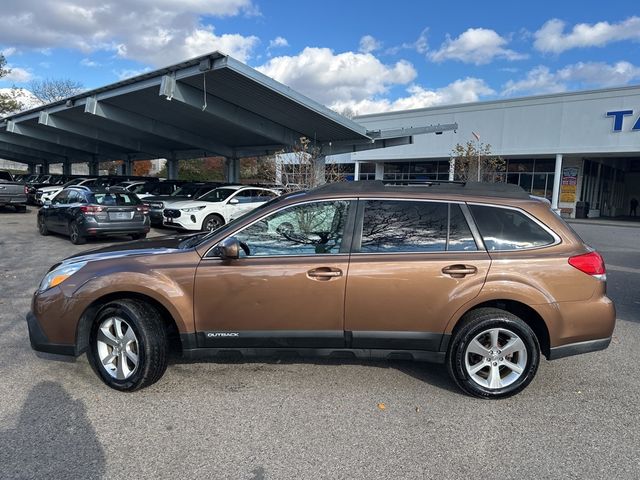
x: 212, y: 222
x: 42, y: 225
x: 495, y: 354
x: 128, y: 345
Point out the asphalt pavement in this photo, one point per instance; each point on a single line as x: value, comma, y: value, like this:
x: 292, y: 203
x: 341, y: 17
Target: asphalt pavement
x: 312, y: 419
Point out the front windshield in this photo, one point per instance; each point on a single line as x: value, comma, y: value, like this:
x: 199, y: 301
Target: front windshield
x: 186, y: 190
x: 217, y: 195
x: 75, y: 181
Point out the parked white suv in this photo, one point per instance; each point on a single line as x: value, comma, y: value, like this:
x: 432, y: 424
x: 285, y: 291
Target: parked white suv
x: 47, y: 193
x: 215, y: 208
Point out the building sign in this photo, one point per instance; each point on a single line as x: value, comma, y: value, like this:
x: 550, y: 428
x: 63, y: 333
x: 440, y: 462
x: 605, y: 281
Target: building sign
x: 569, y: 184
x: 618, y: 119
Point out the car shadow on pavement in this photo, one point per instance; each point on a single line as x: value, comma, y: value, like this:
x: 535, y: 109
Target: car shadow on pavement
x: 53, y: 438
x: 431, y: 373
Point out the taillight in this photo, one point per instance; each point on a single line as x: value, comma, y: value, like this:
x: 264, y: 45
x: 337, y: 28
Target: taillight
x: 90, y: 209
x: 590, y: 263
x: 144, y: 208
x: 26, y: 190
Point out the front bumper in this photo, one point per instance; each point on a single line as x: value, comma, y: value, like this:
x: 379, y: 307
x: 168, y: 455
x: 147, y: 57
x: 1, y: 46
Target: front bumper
x: 40, y: 342
x: 183, y: 222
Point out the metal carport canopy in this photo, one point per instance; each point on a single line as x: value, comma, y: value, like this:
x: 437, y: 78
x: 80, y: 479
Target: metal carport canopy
x: 212, y: 105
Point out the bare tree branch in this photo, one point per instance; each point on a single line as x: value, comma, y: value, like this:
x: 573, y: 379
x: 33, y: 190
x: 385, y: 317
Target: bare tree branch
x: 55, y: 89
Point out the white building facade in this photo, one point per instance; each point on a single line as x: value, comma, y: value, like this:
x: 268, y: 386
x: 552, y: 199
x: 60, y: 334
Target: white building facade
x: 585, y: 144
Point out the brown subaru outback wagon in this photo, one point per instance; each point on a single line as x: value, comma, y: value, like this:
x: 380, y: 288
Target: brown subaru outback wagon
x: 483, y: 278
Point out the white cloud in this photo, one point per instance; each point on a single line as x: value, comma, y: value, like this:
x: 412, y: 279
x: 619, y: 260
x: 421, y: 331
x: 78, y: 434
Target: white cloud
x: 27, y: 99
x: 461, y: 91
x: 8, y: 51
x: 87, y: 62
x: 278, y: 42
x: 541, y: 79
x: 130, y: 72
x: 329, y: 77
x: 551, y: 38
x: 158, y: 32
x: 18, y: 75
x: 369, y: 44
x: 537, y: 81
x: 476, y: 45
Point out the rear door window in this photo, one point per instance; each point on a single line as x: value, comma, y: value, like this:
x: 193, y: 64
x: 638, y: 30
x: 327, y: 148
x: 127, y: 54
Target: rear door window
x: 396, y: 226
x: 507, y: 229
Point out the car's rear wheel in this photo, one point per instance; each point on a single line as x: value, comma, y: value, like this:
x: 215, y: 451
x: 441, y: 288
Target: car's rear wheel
x: 128, y: 345
x: 75, y: 236
x: 42, y: 226
x: 21, y: 208
x: 139, y: 236
x: 212, y: 222
x: 495, y: 354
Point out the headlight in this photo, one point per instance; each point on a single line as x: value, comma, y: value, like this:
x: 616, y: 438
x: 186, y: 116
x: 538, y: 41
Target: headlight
x: 59, y: 275
x: 192, y: 209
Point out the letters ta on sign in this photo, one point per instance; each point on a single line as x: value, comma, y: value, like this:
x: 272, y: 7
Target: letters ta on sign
x: 618, y: 119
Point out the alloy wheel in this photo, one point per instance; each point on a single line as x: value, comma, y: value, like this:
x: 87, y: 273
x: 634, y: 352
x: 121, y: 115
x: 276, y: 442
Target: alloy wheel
x: 495, y: 358
x: 117, y: 348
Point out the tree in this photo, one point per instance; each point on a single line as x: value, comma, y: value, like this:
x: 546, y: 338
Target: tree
x: 55, y: 89
x: 8, y: 101
x: 198, y: 169
x: 471, y: 156
x: 141, y: 168
x: 304, y: 167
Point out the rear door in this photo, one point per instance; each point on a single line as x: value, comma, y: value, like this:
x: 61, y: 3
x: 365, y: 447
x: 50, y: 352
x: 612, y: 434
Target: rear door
x: 413, y: 264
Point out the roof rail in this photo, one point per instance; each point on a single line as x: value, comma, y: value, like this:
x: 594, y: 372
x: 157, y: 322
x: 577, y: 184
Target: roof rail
x: 436, y: 186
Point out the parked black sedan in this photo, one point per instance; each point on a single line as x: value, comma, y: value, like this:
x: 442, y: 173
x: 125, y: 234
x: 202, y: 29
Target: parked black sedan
x: 82, y: 212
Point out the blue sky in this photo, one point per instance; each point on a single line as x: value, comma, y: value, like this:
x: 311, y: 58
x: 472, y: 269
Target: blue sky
x: 361, y: 56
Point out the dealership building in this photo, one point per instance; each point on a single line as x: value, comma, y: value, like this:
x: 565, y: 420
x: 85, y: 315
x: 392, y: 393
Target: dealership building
x: 586, y: 144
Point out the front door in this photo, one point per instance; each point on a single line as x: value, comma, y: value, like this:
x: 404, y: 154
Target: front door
x: 286, y: 290
x: 414, y: 263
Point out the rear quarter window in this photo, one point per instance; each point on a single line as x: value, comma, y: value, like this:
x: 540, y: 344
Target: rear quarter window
x: 506, y: 229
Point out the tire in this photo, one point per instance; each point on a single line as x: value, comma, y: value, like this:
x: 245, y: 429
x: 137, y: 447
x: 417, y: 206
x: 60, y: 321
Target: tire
x: 21, y: 208
x: 74, y: 234
x: 42, y: 226
x: 143, y: 338
x: 139, y: 236
x: 477, y: 363
x: 211, y: 222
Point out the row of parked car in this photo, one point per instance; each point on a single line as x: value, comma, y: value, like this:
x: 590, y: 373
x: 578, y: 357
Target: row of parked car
x: 91, y: 207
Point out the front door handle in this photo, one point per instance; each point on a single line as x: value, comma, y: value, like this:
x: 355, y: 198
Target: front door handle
x: 459, y: 271
x: 324, y: 273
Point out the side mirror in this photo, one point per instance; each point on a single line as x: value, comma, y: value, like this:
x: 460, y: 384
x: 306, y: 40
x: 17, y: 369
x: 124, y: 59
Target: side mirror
x: 47, y: 203
x: 228, y: 249
x: 234, y: 201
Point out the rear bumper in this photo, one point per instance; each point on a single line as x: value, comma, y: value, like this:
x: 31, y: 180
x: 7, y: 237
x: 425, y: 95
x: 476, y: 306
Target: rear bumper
x: 40, y: 342
x: 92, y: 229
x: 578, y: 348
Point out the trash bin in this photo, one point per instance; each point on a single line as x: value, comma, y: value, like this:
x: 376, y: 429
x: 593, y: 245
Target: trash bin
x: 582, y: 209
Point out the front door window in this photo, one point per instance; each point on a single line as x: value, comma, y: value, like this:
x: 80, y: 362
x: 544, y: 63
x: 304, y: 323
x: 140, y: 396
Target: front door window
x: 308, y: 229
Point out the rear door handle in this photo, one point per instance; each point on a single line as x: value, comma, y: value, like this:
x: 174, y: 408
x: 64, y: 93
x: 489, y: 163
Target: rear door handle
x: 459, y: 271
x: 324, y: 273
